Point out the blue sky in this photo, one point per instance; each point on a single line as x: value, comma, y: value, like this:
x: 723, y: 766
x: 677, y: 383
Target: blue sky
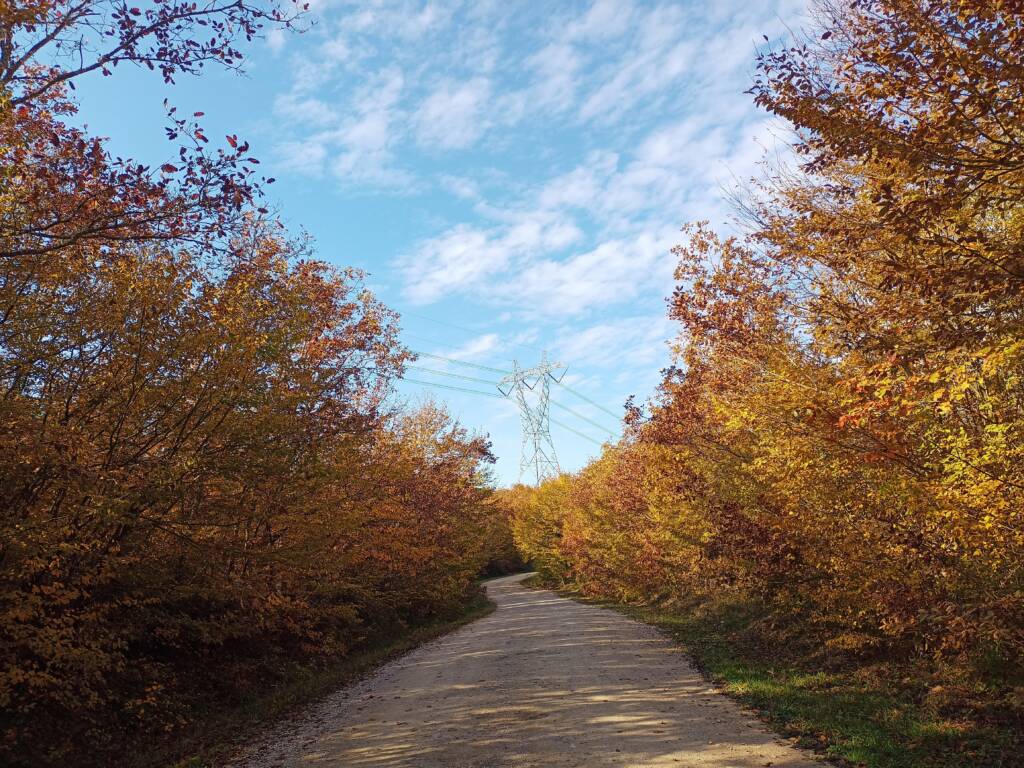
x: 512, y: 175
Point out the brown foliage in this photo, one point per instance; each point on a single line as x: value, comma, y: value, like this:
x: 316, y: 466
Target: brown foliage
x: 842, y: 435
x: 201, y: 475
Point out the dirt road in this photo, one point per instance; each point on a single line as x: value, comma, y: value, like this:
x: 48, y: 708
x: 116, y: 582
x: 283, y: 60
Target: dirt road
x: 542, y: 681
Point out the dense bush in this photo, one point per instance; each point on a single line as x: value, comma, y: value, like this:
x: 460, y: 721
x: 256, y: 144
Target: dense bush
x: 842, y: 434
x: 200, y: 473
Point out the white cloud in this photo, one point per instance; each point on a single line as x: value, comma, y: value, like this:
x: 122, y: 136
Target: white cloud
x: 357, y: 146
x: 365, y: 138
x: 603, y: 20
x: 582, y: 187
x: 276, y: 40
x: 457, y: 260
x: 661, y: 52
x: 624, y: 342
x: 416, y: 25
x: 305, y: 109
x: 540, y: 232
x: 306, y: 156
x: 454, y: 115
x: 461, y: 187
x: 310, y: 74
x: 613, y: 273
x: 476, y: 348
x: 407, y: 21
x: 468, y: 70
x: 532, y: 259
x: 555, y: 69
x: 466, y: 259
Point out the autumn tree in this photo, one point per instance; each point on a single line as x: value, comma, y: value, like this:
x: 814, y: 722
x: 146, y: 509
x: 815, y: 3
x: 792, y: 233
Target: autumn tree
x: 902, y: 243
x: 203, y: 481
x: 841, y: 435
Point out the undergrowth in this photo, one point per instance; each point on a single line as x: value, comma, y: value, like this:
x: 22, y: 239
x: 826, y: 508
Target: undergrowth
x: 856, y: 711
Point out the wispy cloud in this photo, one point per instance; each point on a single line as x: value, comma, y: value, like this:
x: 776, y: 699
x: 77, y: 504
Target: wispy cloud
x: 660, y: 53
x: 602, y: 21
x: 466, y: 259
x: 461, y: 258
x: 356, y: 145
x: 455, y: 114
x: 628, y: 342
x: 365, y: 140
x: 478, y: 347
x: 534, y: 162
x: 616, y: 272
x: 596, y: 237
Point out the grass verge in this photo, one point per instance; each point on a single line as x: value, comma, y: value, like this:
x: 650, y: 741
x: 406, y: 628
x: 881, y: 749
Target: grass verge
x: 873, y: 713
x: 219, y: 732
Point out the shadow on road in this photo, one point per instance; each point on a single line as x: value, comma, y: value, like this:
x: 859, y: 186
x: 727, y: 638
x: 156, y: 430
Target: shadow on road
x: 543, y: 681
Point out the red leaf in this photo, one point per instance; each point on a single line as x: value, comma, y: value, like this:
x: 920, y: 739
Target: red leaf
x: 232, y: 140
x: 168, y: 168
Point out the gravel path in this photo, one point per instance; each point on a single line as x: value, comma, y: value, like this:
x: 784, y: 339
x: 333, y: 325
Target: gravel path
x: 542, y: 681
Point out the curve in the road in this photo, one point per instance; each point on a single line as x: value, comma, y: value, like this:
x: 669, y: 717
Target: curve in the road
x: 542, y: 681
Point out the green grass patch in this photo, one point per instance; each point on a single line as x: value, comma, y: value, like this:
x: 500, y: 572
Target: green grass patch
x: 874, y: 713
x: 221, y: 730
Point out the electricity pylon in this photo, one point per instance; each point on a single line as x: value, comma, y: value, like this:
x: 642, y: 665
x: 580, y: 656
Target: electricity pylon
x: 530, y: 388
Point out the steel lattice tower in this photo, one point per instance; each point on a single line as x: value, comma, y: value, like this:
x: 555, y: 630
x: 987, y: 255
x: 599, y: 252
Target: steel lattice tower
x: 531, y: 389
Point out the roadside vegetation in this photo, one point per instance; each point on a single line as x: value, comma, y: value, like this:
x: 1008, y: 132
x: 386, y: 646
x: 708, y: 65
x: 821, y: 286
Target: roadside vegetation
x: 208, y: 500
x: 852, y: 710
x: 825, y: 500
x: 283, y: 690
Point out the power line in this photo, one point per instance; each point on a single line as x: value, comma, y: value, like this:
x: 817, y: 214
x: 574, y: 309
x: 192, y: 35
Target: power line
x: 566, y: 387
x: 586, y: 399
x: 556, y: 422
x: 449, y: 386
x: 453, y: 375
x: 459, y: 362
x: 538, y: 450
x: 584, y: 418
x: 433, y: 342
x: 491, y: 394
x: 575, y: 431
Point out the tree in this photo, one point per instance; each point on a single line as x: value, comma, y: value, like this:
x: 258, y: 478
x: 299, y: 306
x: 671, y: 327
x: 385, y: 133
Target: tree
x: 202, y: 480
x: 841, y: 435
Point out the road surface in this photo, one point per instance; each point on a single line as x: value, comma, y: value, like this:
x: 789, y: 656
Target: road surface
x: 543, y: 681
